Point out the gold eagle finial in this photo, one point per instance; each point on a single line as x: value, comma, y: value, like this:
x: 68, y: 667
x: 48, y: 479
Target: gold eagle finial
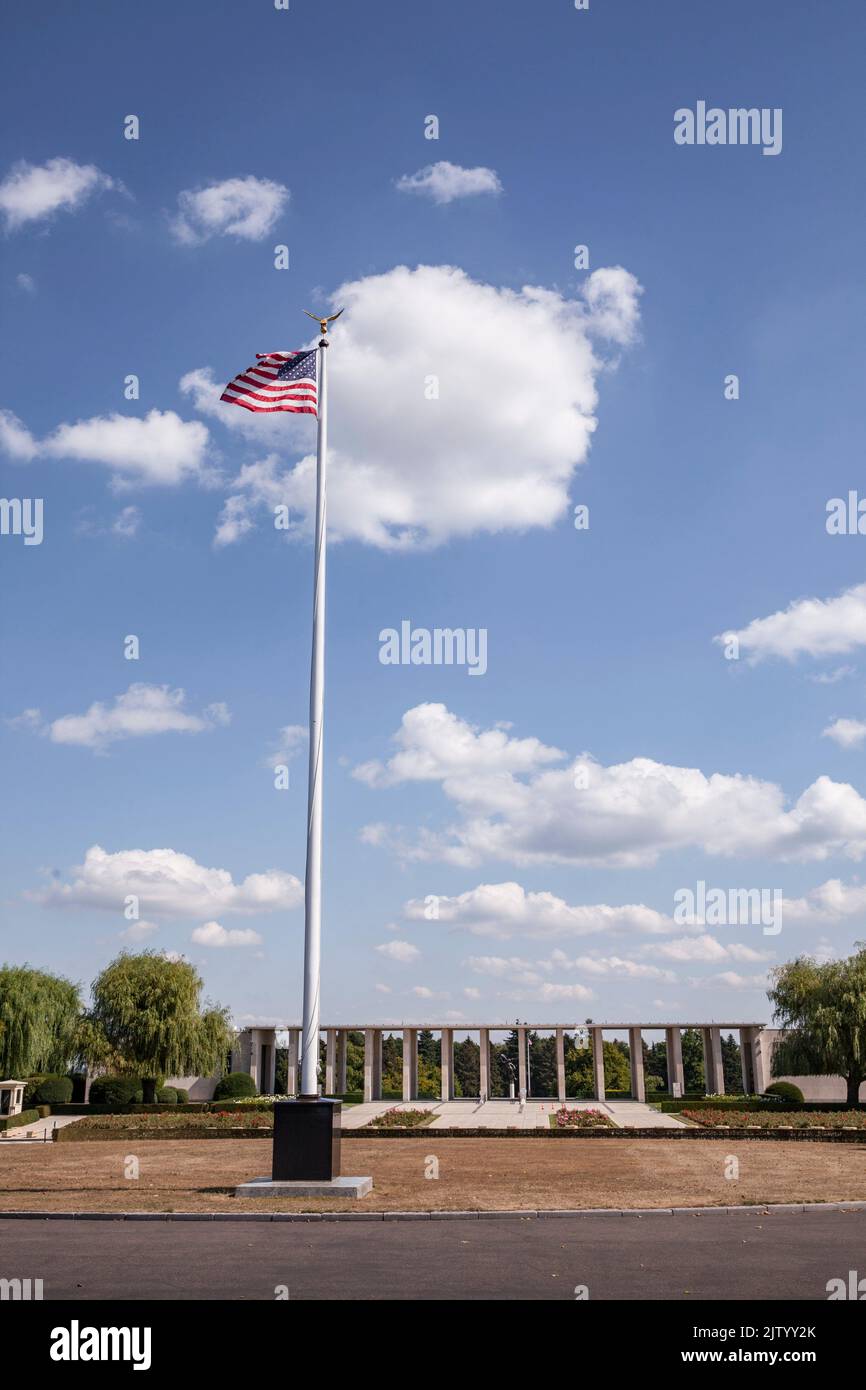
x: 323, y: 322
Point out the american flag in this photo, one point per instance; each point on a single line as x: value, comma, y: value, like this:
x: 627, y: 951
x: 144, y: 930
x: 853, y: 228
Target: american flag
x: 276, y: 381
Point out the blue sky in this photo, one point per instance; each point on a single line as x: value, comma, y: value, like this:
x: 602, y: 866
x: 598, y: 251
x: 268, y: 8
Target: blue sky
x: 602, y: 386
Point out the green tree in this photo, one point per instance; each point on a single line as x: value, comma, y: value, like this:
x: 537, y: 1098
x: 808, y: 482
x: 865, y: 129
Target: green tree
x: 40, y: 1015
x: 467, y: 1068
x: 146, y: 1008
x: 731, y: 1067
x: 823, y: 1009
x: 693, y: 1059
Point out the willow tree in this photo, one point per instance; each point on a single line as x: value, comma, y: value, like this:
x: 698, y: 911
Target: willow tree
x: 39, y: 1018
x: 823, y: 1009
x: 146, y: 1010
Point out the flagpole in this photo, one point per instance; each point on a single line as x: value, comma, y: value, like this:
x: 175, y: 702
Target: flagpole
x: 313, y: 881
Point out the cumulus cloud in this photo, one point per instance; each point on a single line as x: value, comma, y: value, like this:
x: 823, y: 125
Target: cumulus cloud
x: 808, y: 626
x: 34, y: 192
x: 159, y: 449
x: 16, y: 441
x: 832, y: 901
x: 544, y: 976
x: 212, y: 934
x: 138, y: 931
x: 25, y: 282
x: 504, y: 910
x: 246, y: 208
x: 513, y: 807
x: 494, y: 451
x: 707, y: 948
x: 168, y: 884
x: 848, y: 733
x: 402, y: 951
x: 142, y: 710
x: 443, y: 182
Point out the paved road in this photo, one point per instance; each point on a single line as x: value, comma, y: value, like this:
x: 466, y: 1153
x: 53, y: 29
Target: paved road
x: 737, y: 1256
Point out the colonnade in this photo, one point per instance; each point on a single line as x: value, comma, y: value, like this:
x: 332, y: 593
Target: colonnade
x: 256, y: 1053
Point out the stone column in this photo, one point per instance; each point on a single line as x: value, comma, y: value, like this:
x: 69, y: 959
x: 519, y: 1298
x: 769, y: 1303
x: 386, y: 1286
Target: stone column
x: 635, y: 1052
x: 294, y: 1049
x: 270, y: 1080
x: 560, y: 1064
x: 410, y: 1063
x: 342, y: 1060
x: 330, y: 1061
x: 521, y: 1063
x: 447, y: 1063
x: 674, y: 1051
x: 598, y: 1061
x: 761, y: 1060
x: 372, y: 1064
x: 484, y: 1063
x: 714, y: 1076
x: 746, y: 1060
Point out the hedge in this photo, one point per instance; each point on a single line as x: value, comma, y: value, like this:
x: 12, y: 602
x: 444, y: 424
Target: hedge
x: 52, y: 1090
x: 235, y: 1085
x: 26, y: 1117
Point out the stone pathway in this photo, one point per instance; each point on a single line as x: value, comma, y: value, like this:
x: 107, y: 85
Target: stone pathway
x: 506, y: 1114
x: 37, y: 1130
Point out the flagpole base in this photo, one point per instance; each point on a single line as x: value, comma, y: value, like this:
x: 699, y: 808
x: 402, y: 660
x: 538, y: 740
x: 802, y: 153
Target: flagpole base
x: 306, y: 1140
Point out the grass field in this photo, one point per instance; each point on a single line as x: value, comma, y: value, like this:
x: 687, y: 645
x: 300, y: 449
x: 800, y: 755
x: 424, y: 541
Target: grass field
x: 474, y: 1174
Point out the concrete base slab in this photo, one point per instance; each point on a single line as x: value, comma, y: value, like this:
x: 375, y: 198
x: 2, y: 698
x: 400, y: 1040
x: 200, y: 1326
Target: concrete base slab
x: 337, y: 1187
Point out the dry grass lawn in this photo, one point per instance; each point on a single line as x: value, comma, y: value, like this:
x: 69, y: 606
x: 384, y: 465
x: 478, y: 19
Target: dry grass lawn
x: 474, y: 1174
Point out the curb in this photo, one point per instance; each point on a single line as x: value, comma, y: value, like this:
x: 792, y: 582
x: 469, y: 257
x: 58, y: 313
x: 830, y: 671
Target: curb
x: 783, y: 1208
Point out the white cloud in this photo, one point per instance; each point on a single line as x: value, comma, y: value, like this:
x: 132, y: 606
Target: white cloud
x: 443, y: 182
x: 140, y: 711
x: 30, y: 719
x: 536, y: 975
x: 291, y: 739
x: 422, y: 991
x: 212, y: 934
x: 848, y: 733
x: 402, y: 951
x: 138, y: 931
x: 839, y: 673
x: 732, y: 980
x: 246, y: 208
x: 470, y: 992
x: 497, y: 451
x: 32, y: 192
x: 706, y: 948
x: 159, y: 449
x: 16, y: 441
x: 811, y: 626
x: 382, y: 989
x: 512, y: 807
x: 168, y: 884
x: 25, y: 282
x: 832, y: 901
x: 127, y: 522
x: 507, y: 909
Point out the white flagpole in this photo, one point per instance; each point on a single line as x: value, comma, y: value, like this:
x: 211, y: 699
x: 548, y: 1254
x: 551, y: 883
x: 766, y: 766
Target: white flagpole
x: 313, y: 882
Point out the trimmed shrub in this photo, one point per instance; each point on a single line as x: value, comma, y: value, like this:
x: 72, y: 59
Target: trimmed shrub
x: 235, y: 1085
x: 27, y: 1117
x: 116, y: 1091
x: 182, y: 1095
x: 52, y: 1090
x: 785, y: 1090
x: 166, y: 1095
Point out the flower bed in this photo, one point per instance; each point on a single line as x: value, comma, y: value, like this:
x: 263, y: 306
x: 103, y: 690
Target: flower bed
x: 580, y: 1119
x: 402, y: 1119
x: 226, y: 1123
x: 785, y: 1119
